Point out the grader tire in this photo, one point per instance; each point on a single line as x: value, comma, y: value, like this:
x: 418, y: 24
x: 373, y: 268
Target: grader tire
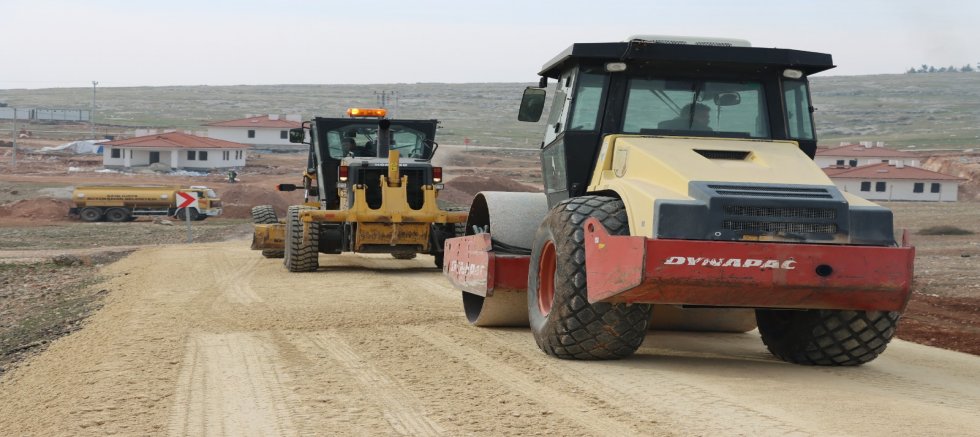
x: 300, y: 255
x: 403, y: 255
x: 563, y: 321
x: 266, y: 215
x: 826, y: 337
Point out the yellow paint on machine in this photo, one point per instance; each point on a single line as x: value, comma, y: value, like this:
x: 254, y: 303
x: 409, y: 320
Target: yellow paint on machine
x: 662, y: 168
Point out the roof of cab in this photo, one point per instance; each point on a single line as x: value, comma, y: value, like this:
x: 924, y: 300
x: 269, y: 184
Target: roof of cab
x: 718, y: 56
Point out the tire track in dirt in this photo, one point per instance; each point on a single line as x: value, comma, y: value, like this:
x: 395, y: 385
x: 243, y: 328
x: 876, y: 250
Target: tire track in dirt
x: 400, y: 408
x: 231, y: 384
x: 524, y: 383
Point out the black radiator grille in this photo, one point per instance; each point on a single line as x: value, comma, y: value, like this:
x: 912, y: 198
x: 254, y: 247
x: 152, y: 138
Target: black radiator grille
x: 781, y: 227
x: 771, y: 191
x: 781, y: 212
x: 731, y: 155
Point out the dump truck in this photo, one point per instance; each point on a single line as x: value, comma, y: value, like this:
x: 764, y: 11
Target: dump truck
x: 369, y: 187
x: 126, y: 203
x: 680, y: 192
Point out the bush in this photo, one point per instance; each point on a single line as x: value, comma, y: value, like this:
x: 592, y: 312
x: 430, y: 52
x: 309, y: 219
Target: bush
x: 944, y: 230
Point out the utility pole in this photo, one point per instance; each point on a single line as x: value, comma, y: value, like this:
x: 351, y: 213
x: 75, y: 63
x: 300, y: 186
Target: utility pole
x: 384, y: 98
x: 13, y: 141
x: 91, y: 115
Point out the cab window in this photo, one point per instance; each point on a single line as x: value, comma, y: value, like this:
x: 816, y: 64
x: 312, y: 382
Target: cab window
x: 702, y: 107
x: 799, y: 122
x: 588, y: 95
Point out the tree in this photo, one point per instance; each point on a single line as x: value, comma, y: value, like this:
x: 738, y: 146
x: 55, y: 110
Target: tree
x: 932, y: 69
x: 911, y: 71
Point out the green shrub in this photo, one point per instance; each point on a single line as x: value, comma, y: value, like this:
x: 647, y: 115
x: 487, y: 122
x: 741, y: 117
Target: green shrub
x: 944, y: 230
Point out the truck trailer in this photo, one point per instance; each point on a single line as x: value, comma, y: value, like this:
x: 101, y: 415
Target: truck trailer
x: 126, y: 203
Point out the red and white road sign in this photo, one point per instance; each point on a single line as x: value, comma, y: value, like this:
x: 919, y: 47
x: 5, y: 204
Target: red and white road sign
x: 186, y: 200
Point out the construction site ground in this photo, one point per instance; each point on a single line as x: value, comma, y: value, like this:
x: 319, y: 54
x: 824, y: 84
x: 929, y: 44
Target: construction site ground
x: 125, y: 329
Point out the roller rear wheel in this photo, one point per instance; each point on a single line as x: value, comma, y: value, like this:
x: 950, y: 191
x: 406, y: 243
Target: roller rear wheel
x: 563, y: 321
x: 827, y: 337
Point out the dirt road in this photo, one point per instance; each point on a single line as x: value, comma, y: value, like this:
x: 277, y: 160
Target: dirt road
x: 212, y: 339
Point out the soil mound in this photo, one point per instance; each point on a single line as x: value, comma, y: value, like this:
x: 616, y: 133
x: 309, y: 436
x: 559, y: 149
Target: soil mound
x: 43, y: 208
x: 966, y: 166
x: 237, y: 200
x: 460, y: 190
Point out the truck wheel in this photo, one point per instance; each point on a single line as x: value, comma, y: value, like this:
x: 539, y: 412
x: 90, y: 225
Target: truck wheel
x: 826, y: 337
x: 563, y: 321
x: 90, y: 214
x: 266, y: 215
x: 301, y: 256
x: 193, y: 213
x: 117, y: 215
x: 403, y: 255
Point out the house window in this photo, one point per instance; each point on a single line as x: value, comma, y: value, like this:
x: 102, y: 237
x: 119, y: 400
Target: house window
x: 865, y: 186
x: 203, y: 155
x: 884, y: 161
x: 130, y: 153
x: 853, y: 163
x: 225, y: 155
x: 840, y: 162
x: 116, y: 153
x: 191, y: 155
x: 879, y: 187
x: 283, y: 134
x: 934, y: 188
x: 251, y: 133
x: 918, y: 187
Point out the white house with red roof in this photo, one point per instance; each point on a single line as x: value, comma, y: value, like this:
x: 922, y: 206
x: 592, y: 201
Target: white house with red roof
x: 178, y: 150
x: 883, y: 181
x: 263, y: 130
x: 865, y: 153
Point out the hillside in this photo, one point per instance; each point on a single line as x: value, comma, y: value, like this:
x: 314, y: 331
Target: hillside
x: 939, y: 110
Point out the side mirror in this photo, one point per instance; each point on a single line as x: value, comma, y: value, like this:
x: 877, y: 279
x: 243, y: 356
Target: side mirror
x: 531, y: 104
x: 727, y: 99
x: 297, y: 135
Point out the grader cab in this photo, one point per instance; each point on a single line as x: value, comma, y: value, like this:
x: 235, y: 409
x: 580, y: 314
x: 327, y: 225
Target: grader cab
x: 369, y: 188
x: 680, y: 193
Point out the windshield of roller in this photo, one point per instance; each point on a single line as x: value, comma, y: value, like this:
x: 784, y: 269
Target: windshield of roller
x: 696, y: 107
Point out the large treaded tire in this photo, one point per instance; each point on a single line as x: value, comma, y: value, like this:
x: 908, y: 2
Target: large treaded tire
x: 826, y: 337
x: 266, y: 215
x: 301, y: 256
x: 403, y: 255
x: 572, y: 328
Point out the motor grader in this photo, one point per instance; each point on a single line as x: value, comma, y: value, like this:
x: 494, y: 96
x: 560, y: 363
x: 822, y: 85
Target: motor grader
x: 680, y: 193
x: 369, y: 187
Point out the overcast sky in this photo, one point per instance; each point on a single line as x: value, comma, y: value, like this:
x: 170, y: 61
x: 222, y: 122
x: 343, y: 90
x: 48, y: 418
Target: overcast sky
x: 60, y: 43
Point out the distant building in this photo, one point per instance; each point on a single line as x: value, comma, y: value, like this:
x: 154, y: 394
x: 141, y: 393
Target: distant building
x: 884, y: 181
x: 263, y: 130
x: 178, y: 150
x: 866, y: 153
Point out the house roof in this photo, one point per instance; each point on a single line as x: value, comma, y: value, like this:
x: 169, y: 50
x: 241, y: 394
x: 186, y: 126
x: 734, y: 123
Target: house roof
x: 175, y: 140
x: 885, y: 171
x: 859, y: 151
x: 259, y: 121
